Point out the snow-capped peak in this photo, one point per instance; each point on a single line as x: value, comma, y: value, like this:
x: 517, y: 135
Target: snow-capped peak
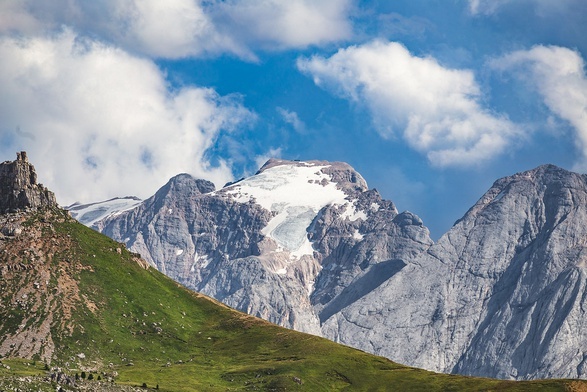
x: 295, y: 192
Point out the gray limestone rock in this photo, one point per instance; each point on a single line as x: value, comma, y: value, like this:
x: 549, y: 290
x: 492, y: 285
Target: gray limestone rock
x: 19, y: 189
x: 502, y: 294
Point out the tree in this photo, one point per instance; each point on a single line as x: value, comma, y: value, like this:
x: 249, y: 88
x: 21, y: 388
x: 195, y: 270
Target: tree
x: 84, y: 375
x: 91, y: 376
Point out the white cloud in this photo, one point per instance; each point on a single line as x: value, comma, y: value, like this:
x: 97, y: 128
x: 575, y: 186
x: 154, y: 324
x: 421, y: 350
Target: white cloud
x: 437, y: 109
x: 292, y: 119
x: 540, y: 7
x: 558, y: 74
x: 183, y: 28
x: 277, y: 24
x: 99, y: 122
x: 485, y: 7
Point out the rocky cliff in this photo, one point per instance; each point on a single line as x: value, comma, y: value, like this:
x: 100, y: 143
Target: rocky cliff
x: 18, y: 186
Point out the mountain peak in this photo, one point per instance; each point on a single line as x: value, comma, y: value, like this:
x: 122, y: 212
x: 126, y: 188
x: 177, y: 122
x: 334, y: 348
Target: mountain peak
x: 18, y: 186
x: 341, y: 173
x: 187, y: 182
x: 545, y: 173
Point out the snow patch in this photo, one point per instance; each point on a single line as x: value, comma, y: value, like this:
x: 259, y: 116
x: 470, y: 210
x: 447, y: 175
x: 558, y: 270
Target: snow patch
x: 352, y: 214
x: 178, y: 252
x: 89, y: 214
x: 200, y: 261
x: 228, y: 238
x: 358, y: 236
x: 375, y: 207
x: 295, y: 193
x: 310, y: 287
x: 499, y: 197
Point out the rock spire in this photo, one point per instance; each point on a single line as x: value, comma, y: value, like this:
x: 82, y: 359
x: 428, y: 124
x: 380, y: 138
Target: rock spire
x: 18, y: 186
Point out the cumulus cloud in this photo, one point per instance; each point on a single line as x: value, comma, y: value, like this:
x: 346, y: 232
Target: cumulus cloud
x: 277, y: 24
x: 182, y: 28
x: 436, y: 109
x: 558, y: 74
x: 99, y: 122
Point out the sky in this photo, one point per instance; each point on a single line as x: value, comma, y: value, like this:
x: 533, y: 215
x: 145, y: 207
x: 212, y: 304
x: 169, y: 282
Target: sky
x: 431, y: 101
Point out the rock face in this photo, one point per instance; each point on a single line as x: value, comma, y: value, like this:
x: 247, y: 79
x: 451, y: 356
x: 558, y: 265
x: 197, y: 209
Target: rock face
x: 519, y: 258
x: 502, y: 294
x: 19, y: 189
x: 293, y: 244
x: 307, y: 245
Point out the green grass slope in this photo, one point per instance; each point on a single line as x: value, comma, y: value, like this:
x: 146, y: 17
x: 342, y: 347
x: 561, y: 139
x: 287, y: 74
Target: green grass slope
x: 96, y: 309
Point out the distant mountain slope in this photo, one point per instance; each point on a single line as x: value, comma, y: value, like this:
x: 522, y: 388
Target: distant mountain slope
x: 78, y: 302
x: 292, y: 244
x: 502, y: 294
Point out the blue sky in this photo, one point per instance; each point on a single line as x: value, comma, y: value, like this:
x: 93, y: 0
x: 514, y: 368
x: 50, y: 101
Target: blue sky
x: 431, y: 101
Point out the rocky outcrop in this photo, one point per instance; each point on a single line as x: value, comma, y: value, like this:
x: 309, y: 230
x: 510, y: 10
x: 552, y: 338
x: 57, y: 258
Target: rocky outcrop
x: 19, y: 189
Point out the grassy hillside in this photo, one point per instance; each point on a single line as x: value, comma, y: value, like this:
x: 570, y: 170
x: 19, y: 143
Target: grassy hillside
x: 72, y: 298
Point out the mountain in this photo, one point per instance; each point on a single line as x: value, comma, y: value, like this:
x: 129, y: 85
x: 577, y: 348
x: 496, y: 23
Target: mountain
x: 502, y: 294
x: 74, y: 302
x: 292, y: 244
x: 308, y: 246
